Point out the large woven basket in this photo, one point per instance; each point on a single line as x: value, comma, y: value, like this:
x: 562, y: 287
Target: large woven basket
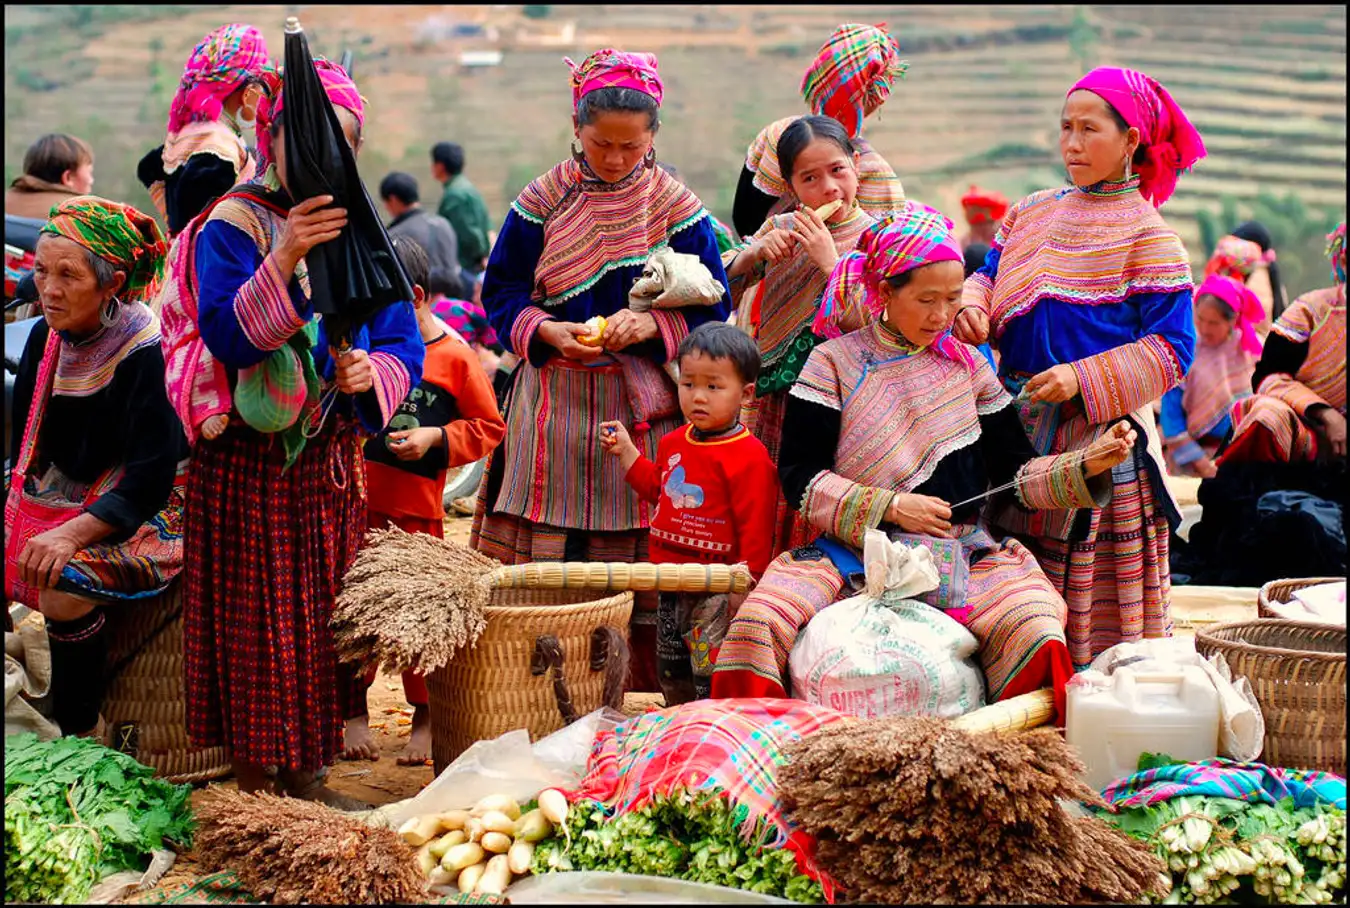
x: 1297, y: 671
x: 144, y: 704
x: 512, y: 678
x: 1282, y: 591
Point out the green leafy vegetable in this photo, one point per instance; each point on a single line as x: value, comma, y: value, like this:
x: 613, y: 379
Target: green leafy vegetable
x: 1149, y: 761
x: 76, y: 811
x: 685, y: 835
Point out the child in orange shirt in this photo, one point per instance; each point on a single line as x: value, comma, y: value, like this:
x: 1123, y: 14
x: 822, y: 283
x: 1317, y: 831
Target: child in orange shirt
x: 715, y: 491
x: 448, y: 420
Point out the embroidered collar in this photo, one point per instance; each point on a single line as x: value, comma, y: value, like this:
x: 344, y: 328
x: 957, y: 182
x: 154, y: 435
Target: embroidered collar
x: 700, y: 435
x: 593, y: 182
x: 1112, y: 187
x: 893, y: 340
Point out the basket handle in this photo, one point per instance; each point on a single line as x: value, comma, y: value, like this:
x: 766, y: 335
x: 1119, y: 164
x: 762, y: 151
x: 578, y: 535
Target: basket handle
x: 548, y: 656
x: 617, y: 577
x: 609, y: 652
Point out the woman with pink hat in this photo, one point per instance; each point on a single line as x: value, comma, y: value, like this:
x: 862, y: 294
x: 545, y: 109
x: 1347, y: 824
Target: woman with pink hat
x: 204, y: 153
x: 1086, y: 294
x: 568, y: 252
x: 1195, y: 418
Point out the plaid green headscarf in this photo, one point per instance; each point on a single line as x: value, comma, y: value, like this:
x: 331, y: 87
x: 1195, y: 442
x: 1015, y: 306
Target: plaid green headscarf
x: 120, y: 235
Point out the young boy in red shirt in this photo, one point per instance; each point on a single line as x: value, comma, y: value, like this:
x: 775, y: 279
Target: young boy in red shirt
x: 449, y: 419
x: 714, y: 489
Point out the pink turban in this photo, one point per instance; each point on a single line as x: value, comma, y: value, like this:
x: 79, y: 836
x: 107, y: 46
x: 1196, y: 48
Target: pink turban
x: 1236, y: 258
x: 1243, y: 301
x: 1173, y: 143
x: 914, y: 237
x: 610, y: 68
x: 214, y: 71
x: 341, y: 91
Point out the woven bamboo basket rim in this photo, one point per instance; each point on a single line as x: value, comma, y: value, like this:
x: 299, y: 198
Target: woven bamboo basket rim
x: 1282, y: 591
x: 1238, y: 634
x: 618, y: 576
x: 568, y: 610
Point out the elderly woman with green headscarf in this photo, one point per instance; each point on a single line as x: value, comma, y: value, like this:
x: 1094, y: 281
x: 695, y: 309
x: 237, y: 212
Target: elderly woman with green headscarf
x: 94, y: 502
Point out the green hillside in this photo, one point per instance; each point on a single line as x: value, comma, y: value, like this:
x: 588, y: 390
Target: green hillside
x: 1265, y: 85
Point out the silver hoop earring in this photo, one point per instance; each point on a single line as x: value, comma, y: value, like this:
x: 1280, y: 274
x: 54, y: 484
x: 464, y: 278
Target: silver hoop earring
x: 108, y: 312
x: 577, y: 154
x: 1127, y: 168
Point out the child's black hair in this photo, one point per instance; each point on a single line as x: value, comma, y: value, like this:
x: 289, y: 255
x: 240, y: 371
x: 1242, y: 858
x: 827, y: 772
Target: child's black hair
x: 718, y: 340
x: 802, y: 132
x: 414, y: 260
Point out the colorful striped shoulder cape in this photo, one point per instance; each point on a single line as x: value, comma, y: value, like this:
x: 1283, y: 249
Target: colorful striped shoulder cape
x: 592, y: 227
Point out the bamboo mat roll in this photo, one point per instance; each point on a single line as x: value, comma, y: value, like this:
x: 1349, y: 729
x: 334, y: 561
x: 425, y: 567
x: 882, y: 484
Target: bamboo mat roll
x: 1018, y: 714
x: 617, y: 577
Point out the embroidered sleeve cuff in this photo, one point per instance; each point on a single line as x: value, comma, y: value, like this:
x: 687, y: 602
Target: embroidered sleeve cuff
x: 1055, y: 483
x: 524, y: 328
x: 1117, y: 382
x: 1185, y: 451
x: 264, y: 309
x: 392, y: 384
x: 1293, y: 392
x: 671, y: 329
x: 844, y: 509
x: 976, y: 291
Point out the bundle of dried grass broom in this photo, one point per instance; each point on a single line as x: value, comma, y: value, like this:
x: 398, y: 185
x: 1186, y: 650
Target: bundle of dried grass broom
x: 411, y: 601
x: 914, y: 811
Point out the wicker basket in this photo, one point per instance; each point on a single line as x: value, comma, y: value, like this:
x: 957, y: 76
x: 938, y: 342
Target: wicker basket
x: 1282, y: 591
x: 144, y: 705
x: 1297, y: 671
x: 555, y: 648
x: 497, y: 686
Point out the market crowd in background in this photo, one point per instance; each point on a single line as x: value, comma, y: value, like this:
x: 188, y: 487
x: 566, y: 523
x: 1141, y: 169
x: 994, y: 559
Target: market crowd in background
x: 1011, y: 394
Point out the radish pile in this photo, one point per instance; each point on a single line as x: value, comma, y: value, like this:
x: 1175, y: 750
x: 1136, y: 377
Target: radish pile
x: 483, y: 850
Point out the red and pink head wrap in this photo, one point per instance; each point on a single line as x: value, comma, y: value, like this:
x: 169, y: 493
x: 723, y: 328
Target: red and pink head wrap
x: 214, y: 71
x: 1236, y: 258
x: 852, y: 74
x: 1243, y: 301
x: 339, y: 86
x: 984, y: 205
x: 1172, y: 143
x: 610, y: 68
x: 914, y: 237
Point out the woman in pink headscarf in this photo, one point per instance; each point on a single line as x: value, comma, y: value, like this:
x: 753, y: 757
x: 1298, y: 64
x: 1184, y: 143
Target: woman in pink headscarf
x: 1086, y: 294
x: 276, y: 504
x: 899, y: 427
x: 205, y: 153
x: 1195, y: 418
x: 569, y: 250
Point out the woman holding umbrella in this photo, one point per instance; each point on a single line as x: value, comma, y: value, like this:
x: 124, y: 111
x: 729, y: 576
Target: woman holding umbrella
x: 569, y: 250
x: 276, y: 504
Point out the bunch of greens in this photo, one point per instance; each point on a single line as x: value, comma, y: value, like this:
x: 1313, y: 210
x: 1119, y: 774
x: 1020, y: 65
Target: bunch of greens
x: 76, y: 811
x: 1225, y: 850
x: 681, y: 835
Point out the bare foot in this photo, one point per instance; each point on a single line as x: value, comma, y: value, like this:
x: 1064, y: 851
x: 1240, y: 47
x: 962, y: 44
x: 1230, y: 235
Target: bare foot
x: 357, y: 741
x: 418, y: 749
x: 214, y: 425
x: 309, y: 786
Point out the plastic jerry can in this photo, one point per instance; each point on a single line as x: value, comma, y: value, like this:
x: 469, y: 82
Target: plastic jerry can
x: 1113, y: 719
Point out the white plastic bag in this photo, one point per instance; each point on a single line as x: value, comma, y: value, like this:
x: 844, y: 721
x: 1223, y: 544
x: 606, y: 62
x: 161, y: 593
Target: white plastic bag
x: 1242, y: 728
x: 883, y: 654
x: 507, y: 765
x: 1321, y: 604
x: 28, y: 673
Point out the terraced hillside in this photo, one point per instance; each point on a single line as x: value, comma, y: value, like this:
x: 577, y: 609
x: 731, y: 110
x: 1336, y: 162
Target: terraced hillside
x: 1265, y: 85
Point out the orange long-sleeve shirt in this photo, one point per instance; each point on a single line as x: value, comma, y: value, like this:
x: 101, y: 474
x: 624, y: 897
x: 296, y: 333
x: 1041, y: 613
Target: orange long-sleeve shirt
x: 454, y: 393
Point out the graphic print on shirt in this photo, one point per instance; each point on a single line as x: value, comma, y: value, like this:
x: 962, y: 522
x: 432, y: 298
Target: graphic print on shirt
x: 683, y: 496
x: 426, y: 405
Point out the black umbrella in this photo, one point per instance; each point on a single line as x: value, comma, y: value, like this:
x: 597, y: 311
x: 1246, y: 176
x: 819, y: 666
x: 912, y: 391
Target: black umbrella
x: 358, y: 273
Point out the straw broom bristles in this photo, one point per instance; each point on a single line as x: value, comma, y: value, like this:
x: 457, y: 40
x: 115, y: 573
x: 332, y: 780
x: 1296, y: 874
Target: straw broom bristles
x: 915, y: 811
x: 286, y: 851
x: 411, y: 601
